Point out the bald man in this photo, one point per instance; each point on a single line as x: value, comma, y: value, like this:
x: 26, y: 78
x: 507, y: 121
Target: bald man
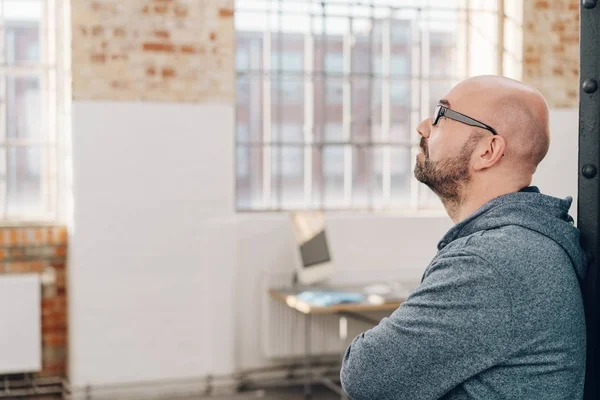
x: 499, y: 312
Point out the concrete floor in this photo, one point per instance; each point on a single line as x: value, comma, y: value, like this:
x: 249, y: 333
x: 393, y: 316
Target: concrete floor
x: 319, y: 393
x: 281, y: 394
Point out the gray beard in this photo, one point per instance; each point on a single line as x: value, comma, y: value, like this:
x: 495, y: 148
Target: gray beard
x: 447, y: 178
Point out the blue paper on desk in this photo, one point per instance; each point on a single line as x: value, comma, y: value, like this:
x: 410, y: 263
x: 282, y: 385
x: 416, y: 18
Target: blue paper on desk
x: 324, y: 299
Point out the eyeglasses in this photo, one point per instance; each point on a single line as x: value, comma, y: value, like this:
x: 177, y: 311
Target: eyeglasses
x: 442, y: 111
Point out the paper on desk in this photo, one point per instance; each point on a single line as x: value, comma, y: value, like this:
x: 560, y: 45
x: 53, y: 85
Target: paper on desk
x: 324, y: 299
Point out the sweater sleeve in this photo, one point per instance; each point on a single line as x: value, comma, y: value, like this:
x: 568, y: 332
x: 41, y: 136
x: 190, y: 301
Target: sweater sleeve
x: 453, y: 326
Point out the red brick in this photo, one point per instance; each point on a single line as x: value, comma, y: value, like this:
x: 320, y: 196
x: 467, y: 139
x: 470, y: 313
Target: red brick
x: 12, y: 237
x: 119, y: 32
x: 97, y: 30
x: 168, y: 73
x: 542, y: 4
x: 160, y: 9
x: 186, y: 49
x: 48, y: 304
x: 50, y: 237
x: 23, y: 237
x: 558, y: 26
x: 162, y: 34
x: 61, y: 279
x: 37, y: 267
x: 225, y: 12
x: 150, y: 71
x: 158, y: 47
x: 62, y: 234
x: 119, y: 57
x: 39, y: 236
x: 569, y: 39
x: 18, y: 267
x: 98, y: 58
x: 181, y: 12
x: 58, y: 265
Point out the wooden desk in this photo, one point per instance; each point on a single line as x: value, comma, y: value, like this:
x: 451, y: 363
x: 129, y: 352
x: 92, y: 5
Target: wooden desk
x: 288, y: 296
x: 355, y: 311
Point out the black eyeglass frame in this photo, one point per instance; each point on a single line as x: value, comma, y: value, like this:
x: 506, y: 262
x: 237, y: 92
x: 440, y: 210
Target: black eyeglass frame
x: 443, y: 111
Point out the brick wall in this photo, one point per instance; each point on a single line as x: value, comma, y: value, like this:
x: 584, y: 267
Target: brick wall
x: 42, y: 250
x: 163, y: 50
x: 551, y: 49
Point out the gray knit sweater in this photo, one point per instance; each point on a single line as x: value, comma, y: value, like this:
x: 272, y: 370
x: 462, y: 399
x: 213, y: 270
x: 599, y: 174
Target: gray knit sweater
x: 498, y: 314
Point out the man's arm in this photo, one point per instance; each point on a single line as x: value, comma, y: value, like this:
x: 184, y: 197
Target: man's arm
x: 453, y: 326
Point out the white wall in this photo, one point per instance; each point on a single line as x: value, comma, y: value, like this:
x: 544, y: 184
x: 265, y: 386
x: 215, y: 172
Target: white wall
x: 147, y: 178
x: 557, y: 174
x: 160, y: 265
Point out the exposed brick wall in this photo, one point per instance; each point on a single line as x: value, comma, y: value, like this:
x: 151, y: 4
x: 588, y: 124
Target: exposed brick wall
x: 551, y: 49
x: 42, y: 250
x: 162, y: 50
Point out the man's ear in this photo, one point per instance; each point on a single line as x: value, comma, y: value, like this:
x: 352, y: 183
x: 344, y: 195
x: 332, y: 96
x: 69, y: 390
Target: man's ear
x: 489, y: 152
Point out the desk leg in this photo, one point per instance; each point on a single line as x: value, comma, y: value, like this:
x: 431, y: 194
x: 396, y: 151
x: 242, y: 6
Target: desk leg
x: 307, y: 349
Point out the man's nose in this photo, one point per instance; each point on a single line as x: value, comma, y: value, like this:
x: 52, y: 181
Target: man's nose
x: 424, y: 128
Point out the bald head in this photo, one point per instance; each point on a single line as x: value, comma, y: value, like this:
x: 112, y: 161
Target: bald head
x: 518, y: 112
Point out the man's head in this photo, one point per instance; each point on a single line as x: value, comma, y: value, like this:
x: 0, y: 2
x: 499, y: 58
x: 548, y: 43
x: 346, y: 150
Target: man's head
x: 490, y: 130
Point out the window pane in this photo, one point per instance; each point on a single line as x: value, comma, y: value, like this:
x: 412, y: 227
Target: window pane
x: 288, y: 176
x: 24, y: 185
x: 292, y: 58
x: 334, y: 62
x: 328, y: 177
x: 22, y: 19
x: 442, y: 60
x: 437, y: 90
x: 362, y: 99
x: 484, y: 38
x: 249, y: 51
x: 334, y: 132
x: 366, y: 49
x: 378, y: 169
x: 401, y: 175
x: 363, y: 176
x: 288, y: 91
x: 287, y: 109
x: 401, y: 132
x: 400, y: 111
x: 249, y: 177
x: 362, y: 132
x: 288, y: 132
x: 400, y: 99
x: 327, y: 115
x: 23, y: 108
x: 335, y: 91
x: 249, y: 113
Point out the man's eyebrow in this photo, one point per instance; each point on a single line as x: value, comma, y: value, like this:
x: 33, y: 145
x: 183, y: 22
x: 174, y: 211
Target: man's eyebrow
x: 444, y: 102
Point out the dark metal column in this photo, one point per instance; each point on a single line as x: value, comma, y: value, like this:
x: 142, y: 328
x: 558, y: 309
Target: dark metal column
x: 589, y: 184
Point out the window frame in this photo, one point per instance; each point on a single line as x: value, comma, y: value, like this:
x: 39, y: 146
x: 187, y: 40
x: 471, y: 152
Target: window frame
x: 384, y: 121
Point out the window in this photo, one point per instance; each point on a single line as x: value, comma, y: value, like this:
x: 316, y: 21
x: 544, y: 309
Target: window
x: 330, y: 94
x: 30, y: 108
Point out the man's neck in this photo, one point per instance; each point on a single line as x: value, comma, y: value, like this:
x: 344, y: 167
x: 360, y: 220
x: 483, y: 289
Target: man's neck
x: 473, y: 198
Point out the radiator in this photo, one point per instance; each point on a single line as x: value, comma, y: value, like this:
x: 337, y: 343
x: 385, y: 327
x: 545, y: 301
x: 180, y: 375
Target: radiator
x: 283, y: 329
x: 20, y: 337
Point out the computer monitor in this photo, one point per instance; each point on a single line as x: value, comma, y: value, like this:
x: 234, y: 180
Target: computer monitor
x: 313, y: 257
